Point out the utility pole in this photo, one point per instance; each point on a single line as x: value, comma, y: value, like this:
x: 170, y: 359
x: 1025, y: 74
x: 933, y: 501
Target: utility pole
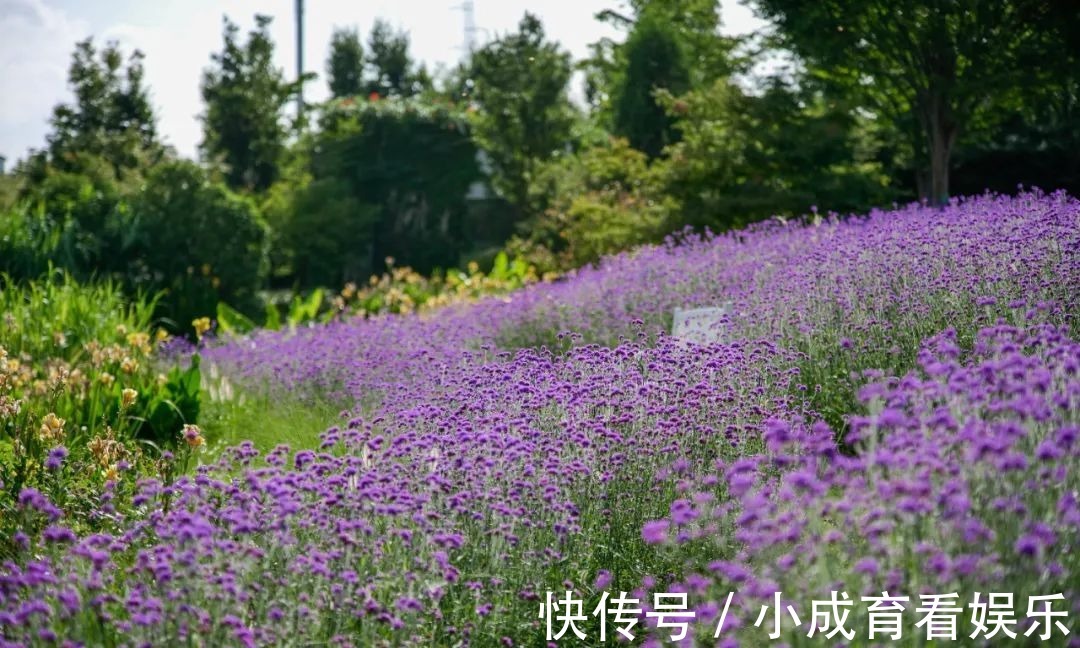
x: 470, y: 27
x: 299, y: 58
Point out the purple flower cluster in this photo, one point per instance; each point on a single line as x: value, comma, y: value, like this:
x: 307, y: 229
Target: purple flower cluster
x: 479, y: 469
x: 965, y: 481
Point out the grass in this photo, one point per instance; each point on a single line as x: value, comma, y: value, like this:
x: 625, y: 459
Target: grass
x: 230, y: 417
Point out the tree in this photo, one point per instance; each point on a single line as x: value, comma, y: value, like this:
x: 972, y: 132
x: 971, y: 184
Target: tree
x: 392, y: 176
x: 525, y: 117
x: 1029, y: 134
x: 746, y: 157
x: 196, y: 240
x: 654, y: 60
x: 938, y: 61
x: 245, y: 96
x: 100, y: 146
x: 111, y: 116
x: 600, y: 200
x: 393, y: 73
x: 345, y: 66
x: 671, y: 45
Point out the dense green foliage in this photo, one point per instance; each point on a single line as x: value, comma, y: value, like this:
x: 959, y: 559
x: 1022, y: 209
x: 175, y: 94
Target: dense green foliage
x: 196, y: 241
x: 524, y: 117
x: 929, y: 68
x: 654, y: 61
x: 345, y: 65
x: 79, y: 371
x: 412, y: 164
x: 245, y: 95
x: 393, y: 72
x: 599, y: 201
x: 111, y: 117
x: 745, y: 157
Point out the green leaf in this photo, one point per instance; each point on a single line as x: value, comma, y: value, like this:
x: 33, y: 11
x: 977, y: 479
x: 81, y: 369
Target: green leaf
x: 305, y: 310
x: 499, y: 271
x: 232, y: 321
x: 273, y: 318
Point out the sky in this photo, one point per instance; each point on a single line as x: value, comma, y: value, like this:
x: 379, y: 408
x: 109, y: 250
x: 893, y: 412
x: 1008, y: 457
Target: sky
x: 37, y: 38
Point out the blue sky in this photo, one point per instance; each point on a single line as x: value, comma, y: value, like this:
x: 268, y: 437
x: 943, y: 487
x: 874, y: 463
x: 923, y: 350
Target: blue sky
x: 37, y: 37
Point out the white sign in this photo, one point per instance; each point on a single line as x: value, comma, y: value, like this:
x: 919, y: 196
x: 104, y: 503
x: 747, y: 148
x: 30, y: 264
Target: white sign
x: 700, y: 325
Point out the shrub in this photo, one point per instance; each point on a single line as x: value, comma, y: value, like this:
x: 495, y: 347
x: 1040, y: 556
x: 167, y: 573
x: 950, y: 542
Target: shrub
x: 403, y: 290
x: 413, y: 163
x: 596, y: 202
x: 326, y: 232
x: 196, y: 241
x: 82, y: 393
x: 65, y: 217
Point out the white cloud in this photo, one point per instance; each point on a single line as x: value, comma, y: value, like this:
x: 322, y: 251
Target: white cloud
x: 36, y: 41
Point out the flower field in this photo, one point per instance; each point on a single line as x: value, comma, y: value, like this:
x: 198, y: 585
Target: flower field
x: 894, y: 406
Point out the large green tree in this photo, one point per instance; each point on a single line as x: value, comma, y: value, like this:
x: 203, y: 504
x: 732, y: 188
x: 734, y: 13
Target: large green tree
x: 111, y: 116
x: 392, y: 72
x: 654, y: 60
x: 672, y: 46
x: 245, y: 93
x: 345, y: 66
x: 519, y: 85
x: 777, y: 151
x: 99, y: 148
x: 927, y: 66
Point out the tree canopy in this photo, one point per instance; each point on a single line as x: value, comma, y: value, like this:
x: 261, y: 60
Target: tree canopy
x: 111, y: 115
x: 928, y: 67
x: 345, y: 65
x: 393, y: 73
x: 519, y: 85
x: 245, y: 93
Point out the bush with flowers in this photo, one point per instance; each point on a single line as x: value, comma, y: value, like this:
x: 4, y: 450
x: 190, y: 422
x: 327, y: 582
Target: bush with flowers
x: 86, y: 405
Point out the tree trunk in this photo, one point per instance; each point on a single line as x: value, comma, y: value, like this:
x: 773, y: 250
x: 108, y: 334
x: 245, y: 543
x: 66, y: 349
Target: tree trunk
x: 939, y: 127
x: 942, y: 135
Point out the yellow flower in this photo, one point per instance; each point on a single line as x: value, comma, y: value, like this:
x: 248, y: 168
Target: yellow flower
x: 121, y: 330
x: 114, y: 353
x: 105, y: 449
x: 127, y: 397
x: 129, y: 365
x: 59, y: 339
x: 161, y: 380
x: 112, y: 473
x: 106, y: 379
x: 202, y: 325
x: 192, y: 435
x: 140, y: 341
x: 161, y: 335
x: 52, y: 428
